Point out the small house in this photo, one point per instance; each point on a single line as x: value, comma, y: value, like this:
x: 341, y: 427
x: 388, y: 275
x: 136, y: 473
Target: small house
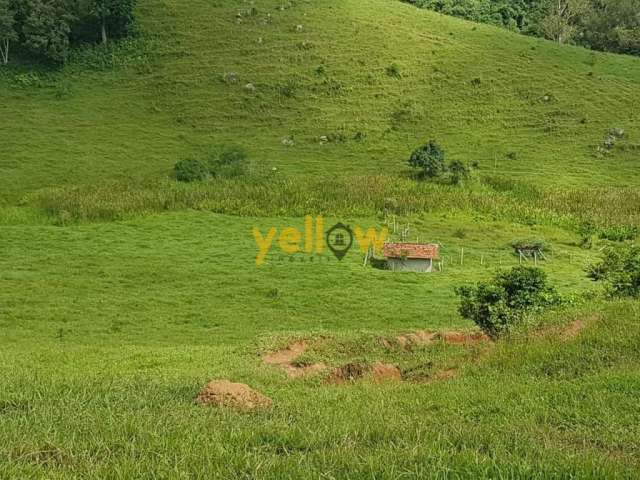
x: 411, y: 257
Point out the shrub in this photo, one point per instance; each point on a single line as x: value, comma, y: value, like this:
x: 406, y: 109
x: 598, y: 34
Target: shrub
x: 191, y: 170
x: 618, y: 233
x: 429, y: 159
x: 586, y: 230
x: 497, y: 306
x: 232, y: 162
x: 619, y: 269
x: 393, y: 71
x: 458, y: 172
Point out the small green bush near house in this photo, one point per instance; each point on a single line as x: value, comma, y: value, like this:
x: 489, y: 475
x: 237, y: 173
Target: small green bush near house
x: 497, y: 306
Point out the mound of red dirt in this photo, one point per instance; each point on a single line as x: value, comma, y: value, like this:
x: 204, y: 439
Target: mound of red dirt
x: 224, y: 393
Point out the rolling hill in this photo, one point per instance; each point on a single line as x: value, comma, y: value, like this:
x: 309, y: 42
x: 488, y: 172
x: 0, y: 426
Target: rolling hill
x: 375, y: 77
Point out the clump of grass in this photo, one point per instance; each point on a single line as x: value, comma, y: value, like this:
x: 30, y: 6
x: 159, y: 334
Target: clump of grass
x: 393, y: 71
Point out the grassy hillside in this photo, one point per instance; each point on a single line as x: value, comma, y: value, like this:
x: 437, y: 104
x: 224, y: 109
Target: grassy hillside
x: 181, y: 88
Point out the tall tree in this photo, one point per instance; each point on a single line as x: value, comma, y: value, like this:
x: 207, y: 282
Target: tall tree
x: 560, y: 23
x: 46, y: 28
x: 114, y: 17
x: 613, y: 25
x: 7, y: 30
x: 101, y: 9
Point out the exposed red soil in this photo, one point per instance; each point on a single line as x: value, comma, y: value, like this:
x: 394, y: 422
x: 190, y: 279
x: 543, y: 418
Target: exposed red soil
x: 573, y: 329
x: 419, y: 337
x: 443, y: 375
x: 224, y: 393
x: 423, y: 337
x: 568, y: 331
x: 457, y: 337
x: 303, y: 370
x: 286, y: 357
x: 383, y: 372
x: 347, y: 373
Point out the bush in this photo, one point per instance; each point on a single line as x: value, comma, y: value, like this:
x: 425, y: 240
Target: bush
x: 458, y: 172
x: 619, y: 269
x: 429, y: 159
x: 618, y: 233
x: 393, y: 71
x: 191, y: 170
x: 497, y: 306
x: 586, y: 230
x: 230, y: 163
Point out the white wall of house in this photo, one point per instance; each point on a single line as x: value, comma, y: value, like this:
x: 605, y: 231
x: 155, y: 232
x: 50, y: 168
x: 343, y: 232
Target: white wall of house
x: 410, y: 265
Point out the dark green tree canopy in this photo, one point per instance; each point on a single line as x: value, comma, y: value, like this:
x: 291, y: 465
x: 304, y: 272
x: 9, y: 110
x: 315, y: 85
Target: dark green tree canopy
x: 429, y: 159
x: 49, y: 28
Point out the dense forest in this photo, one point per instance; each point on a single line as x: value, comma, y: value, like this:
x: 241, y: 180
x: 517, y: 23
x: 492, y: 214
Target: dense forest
x: 606, y: 25
x: 48, y: 28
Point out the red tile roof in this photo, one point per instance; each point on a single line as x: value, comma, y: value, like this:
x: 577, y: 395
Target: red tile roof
x: 411, y: 250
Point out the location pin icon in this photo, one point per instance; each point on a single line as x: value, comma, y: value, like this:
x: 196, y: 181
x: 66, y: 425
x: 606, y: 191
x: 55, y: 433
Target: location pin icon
x: 339, y: 240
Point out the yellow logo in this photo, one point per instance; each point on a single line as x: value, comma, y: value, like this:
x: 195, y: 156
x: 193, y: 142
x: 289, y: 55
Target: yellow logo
x: 313, y: 239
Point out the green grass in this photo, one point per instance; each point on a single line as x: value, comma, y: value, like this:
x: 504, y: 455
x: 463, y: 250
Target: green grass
x: 165, y: 276
x: 166, y: 97
x: 123, y: 292
x: 109, y: 330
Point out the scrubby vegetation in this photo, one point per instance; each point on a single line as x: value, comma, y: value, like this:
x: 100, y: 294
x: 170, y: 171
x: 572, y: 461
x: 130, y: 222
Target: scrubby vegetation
x: 229, y: 163
x: 274, y: 194
x: 619, y: 270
